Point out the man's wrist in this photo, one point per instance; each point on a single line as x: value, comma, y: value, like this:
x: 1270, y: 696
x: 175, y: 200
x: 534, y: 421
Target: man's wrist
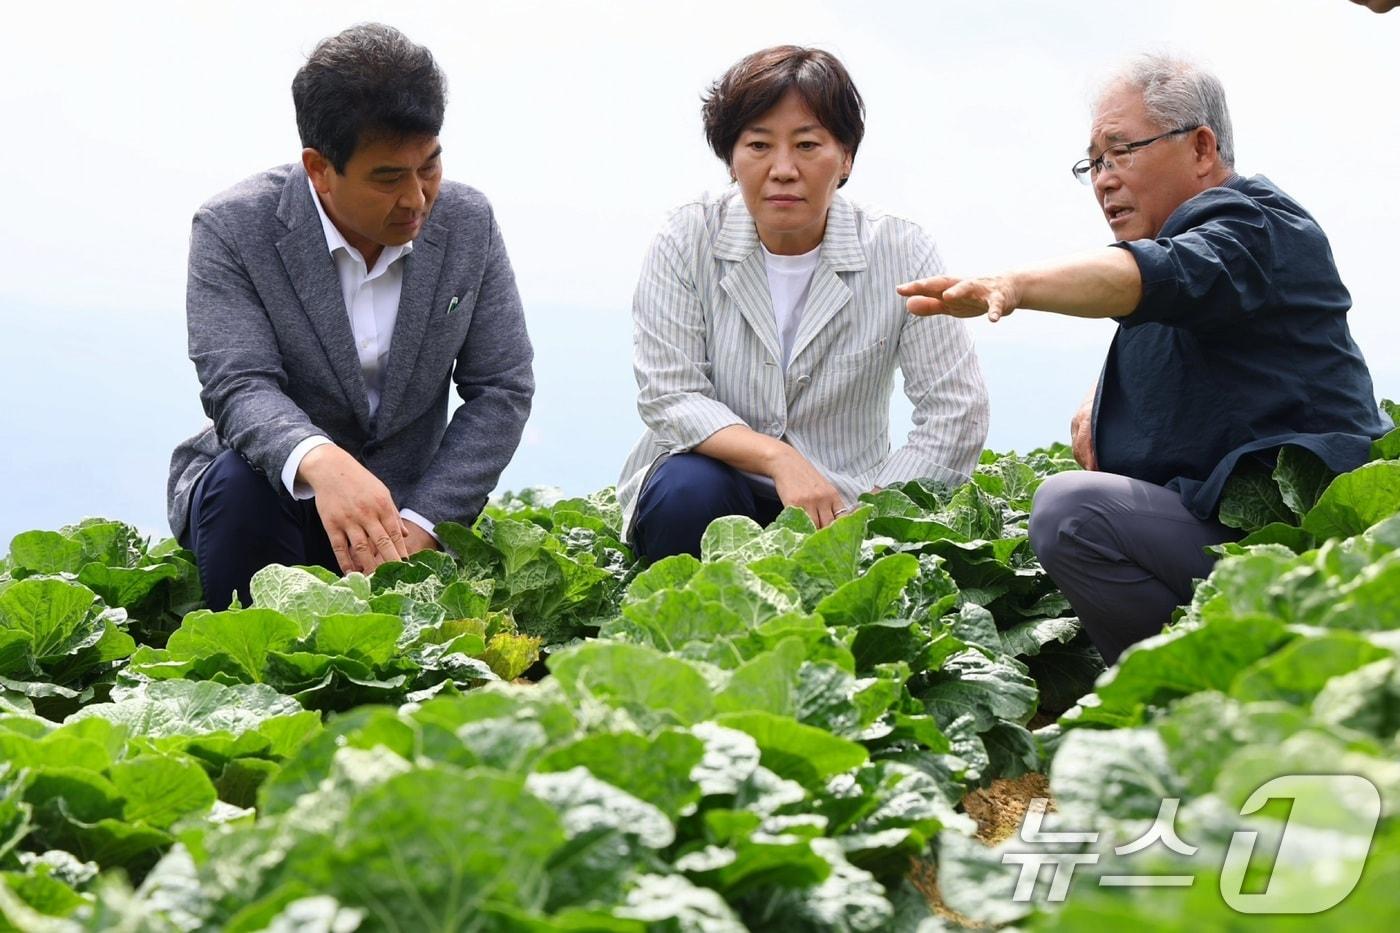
x: 1019, y: 283
x: 421, y: 522
x: 293, y: 478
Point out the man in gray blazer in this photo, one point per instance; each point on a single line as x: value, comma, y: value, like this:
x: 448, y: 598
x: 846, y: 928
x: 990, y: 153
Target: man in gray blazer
x: 331, y: 305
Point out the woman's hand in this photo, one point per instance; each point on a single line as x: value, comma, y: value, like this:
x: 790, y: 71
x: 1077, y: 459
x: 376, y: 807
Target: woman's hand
x: 995, y: 297
x: 801, y: 484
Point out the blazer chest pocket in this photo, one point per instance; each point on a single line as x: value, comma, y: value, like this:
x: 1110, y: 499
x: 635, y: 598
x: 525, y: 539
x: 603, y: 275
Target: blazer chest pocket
x: 856, y: 359
x: 847, y: 381
x: 445, y: 333
x: 457, y: 308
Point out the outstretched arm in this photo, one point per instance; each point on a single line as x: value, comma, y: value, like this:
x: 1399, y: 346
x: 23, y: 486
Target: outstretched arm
x: 1102, y: 283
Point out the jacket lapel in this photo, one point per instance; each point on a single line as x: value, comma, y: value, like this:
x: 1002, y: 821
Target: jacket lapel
x: 421, y: 273
x: 827, y: 295
x: 312, y: 271
x: 746, y: 282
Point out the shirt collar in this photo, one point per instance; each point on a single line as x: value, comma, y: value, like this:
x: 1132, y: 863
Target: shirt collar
x: 802, y: 261
x: 336, y: 240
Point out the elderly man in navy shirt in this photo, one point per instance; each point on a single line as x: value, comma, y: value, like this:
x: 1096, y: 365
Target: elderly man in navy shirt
x: 1232, y: 343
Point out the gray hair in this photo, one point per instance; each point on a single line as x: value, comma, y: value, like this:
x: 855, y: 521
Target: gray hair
x: 1179, y: 93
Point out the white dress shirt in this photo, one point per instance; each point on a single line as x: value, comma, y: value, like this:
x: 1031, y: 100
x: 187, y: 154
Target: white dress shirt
x: 372, y: 302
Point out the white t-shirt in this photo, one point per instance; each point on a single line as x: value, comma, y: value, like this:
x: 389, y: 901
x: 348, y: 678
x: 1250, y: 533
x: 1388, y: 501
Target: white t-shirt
x: 789, y: 279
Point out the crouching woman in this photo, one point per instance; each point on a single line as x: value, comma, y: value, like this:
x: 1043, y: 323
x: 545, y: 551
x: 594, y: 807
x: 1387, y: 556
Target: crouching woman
x: 767, y: 329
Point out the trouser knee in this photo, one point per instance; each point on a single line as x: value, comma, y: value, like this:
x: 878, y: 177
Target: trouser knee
x: 685, y: 494
x: 238, y: 524
x: 1060, y: 505
x: 235, y: 498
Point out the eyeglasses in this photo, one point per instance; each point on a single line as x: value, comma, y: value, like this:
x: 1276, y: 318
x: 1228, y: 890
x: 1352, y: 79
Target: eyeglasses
x: 1119, y: 157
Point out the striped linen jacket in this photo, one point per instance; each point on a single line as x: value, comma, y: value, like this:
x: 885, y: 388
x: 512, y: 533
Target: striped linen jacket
x: 706, y: 351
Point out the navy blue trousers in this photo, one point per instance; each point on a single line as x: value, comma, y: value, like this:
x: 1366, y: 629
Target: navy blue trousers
x: 685, y: 494
x: 240, y: 523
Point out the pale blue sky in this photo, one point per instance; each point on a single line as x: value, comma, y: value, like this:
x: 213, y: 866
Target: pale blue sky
x: 580, y: 122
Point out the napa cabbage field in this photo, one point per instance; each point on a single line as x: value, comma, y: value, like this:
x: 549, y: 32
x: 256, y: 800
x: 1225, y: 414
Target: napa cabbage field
x: 532, y: 731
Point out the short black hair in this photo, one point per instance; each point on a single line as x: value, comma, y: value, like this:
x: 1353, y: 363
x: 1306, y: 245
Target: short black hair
x: 755, y: 84
x: 368, y: 82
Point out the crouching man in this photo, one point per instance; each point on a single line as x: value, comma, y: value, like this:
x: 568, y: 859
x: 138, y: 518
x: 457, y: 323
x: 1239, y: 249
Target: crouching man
x: 332, y: 303
x: 1232, y: 342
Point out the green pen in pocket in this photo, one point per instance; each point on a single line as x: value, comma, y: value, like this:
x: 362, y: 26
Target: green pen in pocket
x: 452, y: 305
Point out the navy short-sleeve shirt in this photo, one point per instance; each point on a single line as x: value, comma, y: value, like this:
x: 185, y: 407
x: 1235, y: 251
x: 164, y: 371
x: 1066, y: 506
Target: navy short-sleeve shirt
x: 1239, y: 346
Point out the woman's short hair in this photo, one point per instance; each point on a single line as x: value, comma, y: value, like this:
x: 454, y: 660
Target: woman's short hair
x: 368, y: 82
x: 756, y: 83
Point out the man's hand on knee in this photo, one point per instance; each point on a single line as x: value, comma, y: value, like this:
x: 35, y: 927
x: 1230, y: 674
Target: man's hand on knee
x: 1081, y: 434
x: 356, y: 510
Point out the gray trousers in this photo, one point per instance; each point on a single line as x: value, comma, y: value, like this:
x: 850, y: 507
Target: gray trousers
x: 1124, y: 552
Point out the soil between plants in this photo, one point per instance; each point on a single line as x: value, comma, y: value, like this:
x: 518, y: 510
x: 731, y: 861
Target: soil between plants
x: 998, y: 809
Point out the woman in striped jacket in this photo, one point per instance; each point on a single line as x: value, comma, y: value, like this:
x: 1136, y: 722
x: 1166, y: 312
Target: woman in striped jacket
x: 767, y: 329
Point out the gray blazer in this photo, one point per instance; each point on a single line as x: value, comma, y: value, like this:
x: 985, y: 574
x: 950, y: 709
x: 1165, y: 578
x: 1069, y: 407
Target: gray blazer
x: 271, y: 343
x: 706, y: 351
